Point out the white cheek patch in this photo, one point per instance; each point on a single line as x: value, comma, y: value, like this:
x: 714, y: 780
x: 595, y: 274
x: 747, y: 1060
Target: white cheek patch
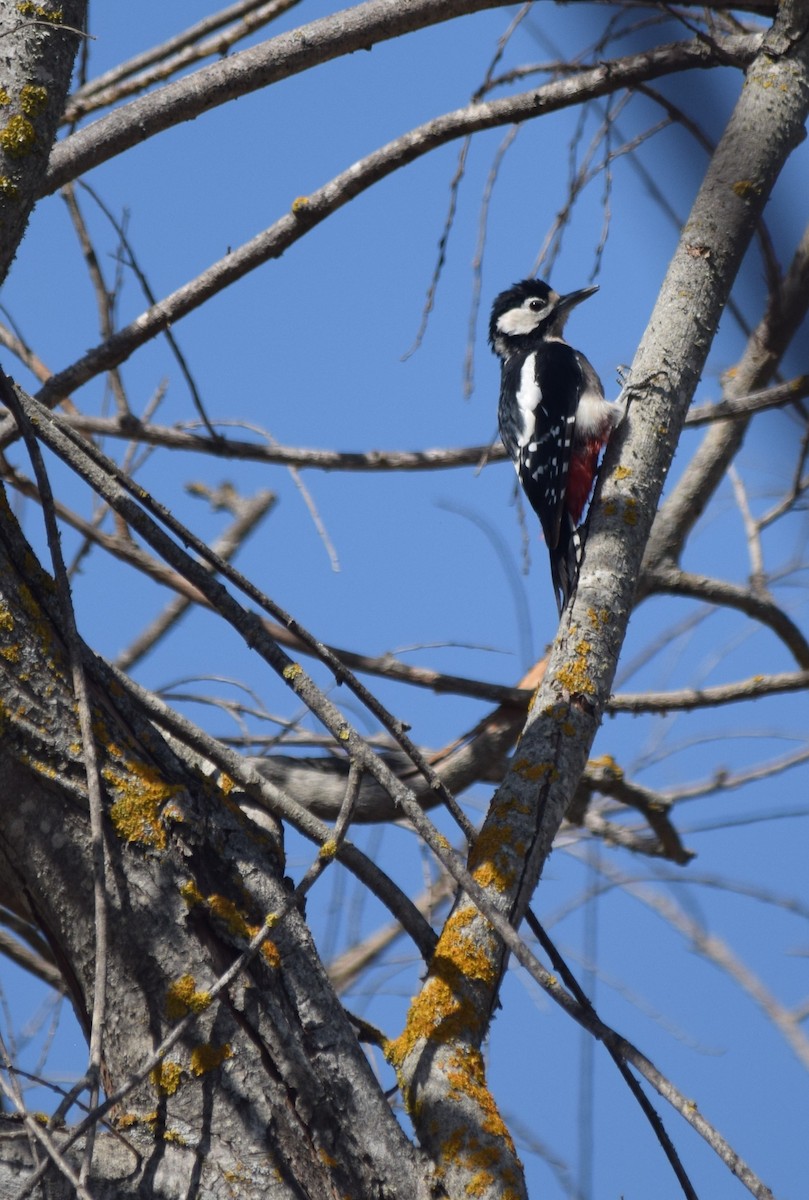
x: 518, y: 321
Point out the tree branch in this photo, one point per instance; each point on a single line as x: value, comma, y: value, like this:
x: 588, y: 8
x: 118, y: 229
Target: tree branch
x: 309, y: 211
x: 447, y: 1021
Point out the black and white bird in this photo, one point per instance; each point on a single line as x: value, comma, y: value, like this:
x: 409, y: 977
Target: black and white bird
x: 553, y: 416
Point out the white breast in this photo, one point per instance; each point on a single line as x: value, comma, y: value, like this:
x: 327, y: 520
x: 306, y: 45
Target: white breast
x: 594, y: 415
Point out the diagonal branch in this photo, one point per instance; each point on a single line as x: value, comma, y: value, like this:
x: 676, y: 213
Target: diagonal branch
x: 309, y: 211
x: 321, y: 41
x: 440, y: 1069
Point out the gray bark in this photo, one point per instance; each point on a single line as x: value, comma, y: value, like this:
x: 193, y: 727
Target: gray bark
x: 37, y: 60
x: 268, y: 1083
x: 525, y: 816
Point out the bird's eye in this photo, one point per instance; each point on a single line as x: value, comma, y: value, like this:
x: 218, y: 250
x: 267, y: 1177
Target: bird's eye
x: 535, y: 305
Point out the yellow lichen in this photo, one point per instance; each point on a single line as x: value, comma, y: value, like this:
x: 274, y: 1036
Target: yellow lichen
x: 141, y: 796
x: 464, y: 952
x: 27, y: 8
x: 271, y: 954
x: 165, y: 1077
x: 206, y: 1057
x: 328, y: 850
x: 226, y: 784
x: 299, y: 204
x: 191, y: 893
x: 443, y: 1010
x: 182, y: 998
x: 18, y: 137
x: 436, y: 1014
x: 574, y: 676
x: 229, y: 914
x: 292, y: 672
x: 492, y: 859
x: 535, y: 771
x: 631, y: 511
x: 8, y: 188
x: 127, y: 1120
x: 33, y: 100
x: 237, y: 924
x: 467, y: 1074
x: 744, y: 188
x: 622, y: 472
x: 607, y: 764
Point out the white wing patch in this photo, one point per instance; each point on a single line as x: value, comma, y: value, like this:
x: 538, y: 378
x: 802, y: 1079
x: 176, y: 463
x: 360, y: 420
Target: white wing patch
x: 529, y: 399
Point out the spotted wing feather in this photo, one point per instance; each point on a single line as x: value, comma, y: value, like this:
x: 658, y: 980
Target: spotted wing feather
x: 539, y: 438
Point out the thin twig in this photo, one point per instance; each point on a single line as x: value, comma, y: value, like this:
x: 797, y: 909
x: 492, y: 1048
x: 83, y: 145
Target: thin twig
x: 310, y: 210
x: 251, y: 512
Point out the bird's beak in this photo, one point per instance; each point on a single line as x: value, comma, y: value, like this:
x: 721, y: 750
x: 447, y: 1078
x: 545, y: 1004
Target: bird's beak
x: 573, y: 298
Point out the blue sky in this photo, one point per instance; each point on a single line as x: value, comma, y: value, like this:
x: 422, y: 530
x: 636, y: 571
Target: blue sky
x: 310, y: 349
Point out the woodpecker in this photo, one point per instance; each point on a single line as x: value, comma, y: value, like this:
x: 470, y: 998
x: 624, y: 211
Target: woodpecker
x: 553, y: 417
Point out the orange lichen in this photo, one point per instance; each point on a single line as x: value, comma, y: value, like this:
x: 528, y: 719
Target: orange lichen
x: 171, y: 1135
x: 435, y: 1014
x: 229, y: 914
x: 599, y: 617
x: 535, y: 771
x: 607, y: 764
x: 166, y: 1077
x: 464, y: 950
x: 630, y: 511
x: 191, y: 893
x: 444, y: 1011
x: 271, y: 954
x: 182, y: 998
x: 494, y: 850
x: 237, y: 924
x: 574, y: 676
x: 467, y: 1075
x: 206, y: 1057
x: 226, y: 784
x: 744, y: 188
x: 141, y: 796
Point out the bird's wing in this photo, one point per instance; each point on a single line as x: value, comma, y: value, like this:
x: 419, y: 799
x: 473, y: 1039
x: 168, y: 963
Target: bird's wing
x: 545, y: 456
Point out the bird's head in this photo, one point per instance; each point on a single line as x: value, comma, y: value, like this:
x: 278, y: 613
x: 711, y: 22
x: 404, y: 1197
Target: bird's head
x: 528, y: 313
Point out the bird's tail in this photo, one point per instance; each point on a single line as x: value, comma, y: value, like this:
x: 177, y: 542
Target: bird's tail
x: 565, y: 559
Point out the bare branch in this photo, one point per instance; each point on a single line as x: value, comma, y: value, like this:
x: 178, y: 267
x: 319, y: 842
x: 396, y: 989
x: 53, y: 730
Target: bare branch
x: 711, y: 697
x: 309, y: 211
x: 754, y: 402
x: 321, y: 41
x: 666, y: 577
x: 159, y: 63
